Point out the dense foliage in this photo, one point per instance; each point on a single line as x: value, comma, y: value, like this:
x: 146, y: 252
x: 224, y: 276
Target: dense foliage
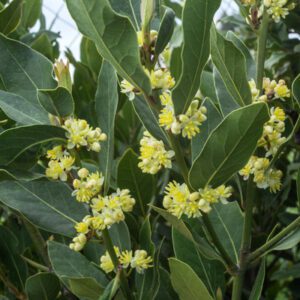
x: 161, y: 165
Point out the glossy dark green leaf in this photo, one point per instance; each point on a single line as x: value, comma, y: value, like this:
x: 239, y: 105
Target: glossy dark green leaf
x: 11, y: 259
x: 130, y: 176
x: 236, y: 136
x: 197, y: 18
x: 48, y: 205
x: 120, y: 236
x: 227, y: 220
x: 186, y: 282
x: 225, y: 100
x: 106, y: 103
x: 25, y: 70
x: 176, y: 63
x: 21, y: 110
x: 145, y: 236
x: 58, y: 102
x: 166, y: 290
x: 10, y: 16
x: 15, y: 141
x: 42, y: 286
x: 214, y: 118
x: 15, y: 174
x: 231, y: 64
x: 67, y: 264
x: 250, y: 63
x: 114, y: 36
x: 259, y: 282
x: 209, y: 271
x: 31, y: 12
x: 84, y: 288
x: 149, y: 118
x: 165, y: 31
x: 129, y: 8
x: 296, y: 88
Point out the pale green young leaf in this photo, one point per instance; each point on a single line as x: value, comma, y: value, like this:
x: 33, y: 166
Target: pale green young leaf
x: 58, y: 102
x: 10, y: 16
x: 21, y: 110
x: 186, y: 282
x: 114, y: 36
x: 42, y: 286
x: 106, y: 103
x: 231, y: 64
x: 15, y: 141
x: 48, y: 205
x: 197, y: 18
x: 236, y: 136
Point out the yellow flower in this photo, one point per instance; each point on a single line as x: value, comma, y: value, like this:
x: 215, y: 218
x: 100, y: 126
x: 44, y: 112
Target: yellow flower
x: 79, y: 134
x: 55, y: 153
x: 78, y: 242
x: 281, y: 90
x: 141, y: 261
x: 166, y: 115
x: 161, y: 79
x: 274, y: 179
x: 82, y: 227
x: 153, y: 156
x: 277, y: 10
x: 58, y: 169
x: 128, y: 88
x: 125, y: 258
x: 106, y: 263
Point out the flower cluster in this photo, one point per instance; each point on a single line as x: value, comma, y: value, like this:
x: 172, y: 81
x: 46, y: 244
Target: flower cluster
x: 263, y: 175
x: 153, y: 156
x: 139, y: 261
x: 278, y: 9
x: 61, y: 162
x: 178, y: 200
x: 271, y: 90
x: 106, y: 211
x: 79, y: 134
x: 188, y: 124
x: 87, y: 185
x: 272, y: 137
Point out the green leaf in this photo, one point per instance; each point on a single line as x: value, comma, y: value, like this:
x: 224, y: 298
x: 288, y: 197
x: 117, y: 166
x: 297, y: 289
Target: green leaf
x: 225, y: 100
x: 250, y: 63
x: 15, y: 141
x: 166, y: 290
x: 10, y: 16
x: 31, y: 12
x: 21, y: 110
x: 42, y: 286
x: 214, y: 118
x: 285, y: 273
x: 227, y: 220
x: 288, y: 242
x: 130, y: 176
x: 120, y: 236
x: 236, y: 136
x: 209, y: 271
x: 11, y: 259
x: 197, y: 18
x: 207, y: 86
x: 129, y: 8
x: 259, y: 282
x: 48, y: 205
x: 149, y: 118
x: 296, y: 88
x: 145, y: 237
x: 43, y: 45
x: 58, y: 102
x: 69, y: 264
x: 165, y: 30
x: 114, y: 36
x: 231, y: 64
x: 13, y: 174
x: 298, y: 188
x: 111, y: 289
x: 185, y: 281
x: 25, y: 70
x: 84, y: 288
x: 106, y: 103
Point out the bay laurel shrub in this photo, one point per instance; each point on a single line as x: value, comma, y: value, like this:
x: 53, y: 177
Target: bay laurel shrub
x: 163, y: 164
